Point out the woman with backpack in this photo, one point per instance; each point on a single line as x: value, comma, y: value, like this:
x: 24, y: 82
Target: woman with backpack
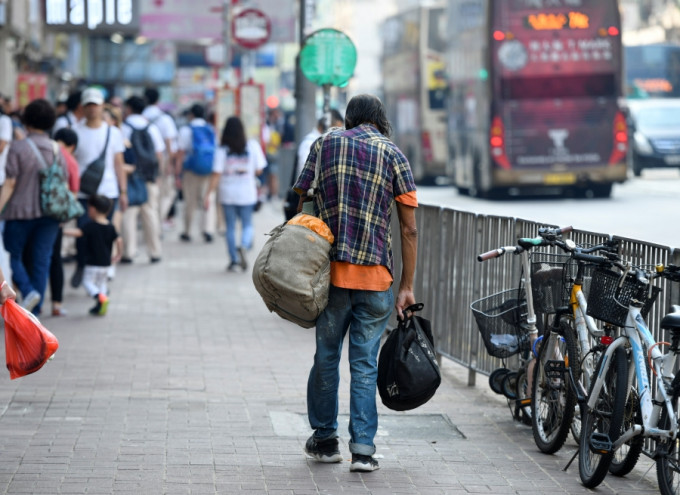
x: 27, y: 230
x: 236, y: 166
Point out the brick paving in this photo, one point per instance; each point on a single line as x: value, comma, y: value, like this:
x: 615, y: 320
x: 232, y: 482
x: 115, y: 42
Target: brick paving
x: 190, y: 386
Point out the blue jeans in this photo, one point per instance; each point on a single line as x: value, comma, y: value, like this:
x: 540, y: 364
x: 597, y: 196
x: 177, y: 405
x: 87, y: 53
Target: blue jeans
x: 245, y: 215
x: 37, y: 237
x: 364, y: 314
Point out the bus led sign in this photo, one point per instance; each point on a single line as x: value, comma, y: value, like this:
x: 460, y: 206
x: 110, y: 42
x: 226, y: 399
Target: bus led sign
x: 556, y: 22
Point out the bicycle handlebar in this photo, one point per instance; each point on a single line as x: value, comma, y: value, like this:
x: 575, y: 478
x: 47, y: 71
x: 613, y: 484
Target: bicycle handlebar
x: 589, y: 258
x: 495, y: 253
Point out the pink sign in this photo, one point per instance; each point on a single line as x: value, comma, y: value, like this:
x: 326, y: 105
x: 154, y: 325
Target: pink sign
x: 181, y: 27
x: 195, y: 19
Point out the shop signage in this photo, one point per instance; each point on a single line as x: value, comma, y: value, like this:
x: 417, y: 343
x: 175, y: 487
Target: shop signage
x: 100, y: 16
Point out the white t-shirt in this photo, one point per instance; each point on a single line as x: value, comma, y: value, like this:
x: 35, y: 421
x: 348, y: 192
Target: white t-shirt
x: 90, y: 145
x: 303, y: 148
x: 139, y: 122
x: 164, y: 123
x: 5, y: 135
x: 238, y: 183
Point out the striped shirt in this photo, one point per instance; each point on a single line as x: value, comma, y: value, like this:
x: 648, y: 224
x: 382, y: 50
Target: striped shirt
x: 362, y: 172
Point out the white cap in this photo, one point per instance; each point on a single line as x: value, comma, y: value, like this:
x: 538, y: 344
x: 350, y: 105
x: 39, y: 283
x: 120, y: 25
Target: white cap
x: 92, y: 95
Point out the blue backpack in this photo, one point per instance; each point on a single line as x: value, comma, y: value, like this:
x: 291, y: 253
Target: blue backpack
x: 200, y: 161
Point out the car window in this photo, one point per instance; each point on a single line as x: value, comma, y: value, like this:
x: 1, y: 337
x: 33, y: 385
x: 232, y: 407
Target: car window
x: 655, y: 118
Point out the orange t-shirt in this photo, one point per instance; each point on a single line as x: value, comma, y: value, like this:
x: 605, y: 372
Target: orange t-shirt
x: 367, y: 277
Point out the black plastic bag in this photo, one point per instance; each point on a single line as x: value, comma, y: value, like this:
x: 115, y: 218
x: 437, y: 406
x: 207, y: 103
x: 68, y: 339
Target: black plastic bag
x: 408, y: 373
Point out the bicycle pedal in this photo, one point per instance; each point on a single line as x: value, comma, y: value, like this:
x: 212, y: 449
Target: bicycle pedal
x: 555, y: 369
x: 600, y: 443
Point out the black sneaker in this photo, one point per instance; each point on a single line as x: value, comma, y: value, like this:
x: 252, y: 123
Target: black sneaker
x: 77, y: 277
x: 185, y: 238
x: 207, y: 237
x: 363, y: 463
x: 326, y: 451
x: 94, y: 310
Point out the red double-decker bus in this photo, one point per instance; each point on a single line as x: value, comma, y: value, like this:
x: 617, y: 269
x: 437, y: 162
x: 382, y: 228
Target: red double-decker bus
x: 534, y: 96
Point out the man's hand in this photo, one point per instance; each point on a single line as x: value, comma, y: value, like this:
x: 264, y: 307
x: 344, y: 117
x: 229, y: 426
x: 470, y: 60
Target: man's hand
x: 405, y: 298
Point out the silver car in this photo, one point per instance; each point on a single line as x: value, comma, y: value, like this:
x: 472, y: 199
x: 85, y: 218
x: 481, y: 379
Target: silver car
x: 655, y: 133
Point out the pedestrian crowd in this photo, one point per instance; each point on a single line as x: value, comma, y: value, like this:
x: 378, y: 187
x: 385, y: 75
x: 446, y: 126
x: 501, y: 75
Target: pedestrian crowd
x: 128, y: 164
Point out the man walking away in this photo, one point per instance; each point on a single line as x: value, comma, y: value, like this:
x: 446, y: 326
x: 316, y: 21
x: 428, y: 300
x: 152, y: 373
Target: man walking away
x: 364, y: 176
x: 147, y: 148
x: 166, y: 177
x: 196, y: 145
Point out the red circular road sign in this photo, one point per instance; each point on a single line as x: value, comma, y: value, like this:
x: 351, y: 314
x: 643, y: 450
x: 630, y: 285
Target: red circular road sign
x: 251, y: 28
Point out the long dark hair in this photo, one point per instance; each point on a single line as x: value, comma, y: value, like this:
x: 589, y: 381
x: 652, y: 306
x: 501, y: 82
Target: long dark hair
x: 367, y: 109
x: 234, y: 135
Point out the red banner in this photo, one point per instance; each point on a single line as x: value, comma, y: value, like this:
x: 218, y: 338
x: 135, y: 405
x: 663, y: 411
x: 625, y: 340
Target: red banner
x: 30, y: 87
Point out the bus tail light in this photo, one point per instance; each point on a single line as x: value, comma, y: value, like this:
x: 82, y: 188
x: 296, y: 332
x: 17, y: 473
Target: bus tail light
x: 620, y: 130
x: 428, y: 155
x: 497, y: 142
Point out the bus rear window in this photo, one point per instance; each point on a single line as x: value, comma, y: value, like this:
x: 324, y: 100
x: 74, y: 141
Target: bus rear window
x: 546, y: 87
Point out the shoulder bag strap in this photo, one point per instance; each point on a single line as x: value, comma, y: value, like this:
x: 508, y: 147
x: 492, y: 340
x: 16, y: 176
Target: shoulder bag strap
x: 37, y: 153
x: 314, y: 188
x: 106, y: 143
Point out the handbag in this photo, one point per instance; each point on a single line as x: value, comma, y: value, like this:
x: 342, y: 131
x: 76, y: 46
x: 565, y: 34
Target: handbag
x: 136, y: 189
x: 92, y: 176
x: 292, y: 273
x: 408, y: 373
x: 56, y: 201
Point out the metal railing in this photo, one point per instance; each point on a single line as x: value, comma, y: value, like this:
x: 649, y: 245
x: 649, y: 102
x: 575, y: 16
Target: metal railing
x: 449, y: 278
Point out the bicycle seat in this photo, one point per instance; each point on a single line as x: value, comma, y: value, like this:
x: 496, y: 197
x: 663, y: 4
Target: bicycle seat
x: 672, y: 320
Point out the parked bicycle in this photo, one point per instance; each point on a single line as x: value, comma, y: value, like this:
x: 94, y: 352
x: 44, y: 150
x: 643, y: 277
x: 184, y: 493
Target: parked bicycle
x: 626, y: 401
x: 512, y: 319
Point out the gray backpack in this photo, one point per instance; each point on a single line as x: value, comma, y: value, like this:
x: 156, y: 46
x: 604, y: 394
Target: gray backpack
x: 292, y: 273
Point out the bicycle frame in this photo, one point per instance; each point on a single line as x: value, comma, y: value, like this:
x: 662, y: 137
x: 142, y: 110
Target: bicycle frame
x: 584, y: 324
x: 636, y: 333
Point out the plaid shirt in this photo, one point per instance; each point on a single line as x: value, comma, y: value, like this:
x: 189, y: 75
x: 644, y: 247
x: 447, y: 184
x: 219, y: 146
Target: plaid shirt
x: 361, y: 173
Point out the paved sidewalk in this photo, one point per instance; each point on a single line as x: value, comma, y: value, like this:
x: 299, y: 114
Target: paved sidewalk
x: 190, y: 386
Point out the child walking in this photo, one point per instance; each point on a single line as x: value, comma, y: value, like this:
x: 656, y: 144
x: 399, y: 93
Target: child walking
x: 100, y: 236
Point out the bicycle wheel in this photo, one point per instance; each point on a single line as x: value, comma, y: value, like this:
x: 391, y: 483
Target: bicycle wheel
x: 626, y: 457
x: 588, y: 363
x: 553, y: 400
x: 509, y: 385
x: 523, y: 392
x: 496, y: 379
x: 668, y: 461
x: 604, y: 419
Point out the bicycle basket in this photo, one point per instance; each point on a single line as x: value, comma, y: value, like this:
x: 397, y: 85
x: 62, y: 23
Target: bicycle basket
x: 551, y: 281
x: 499, y: 319
x: 608, y: 303
x: 552, y: 278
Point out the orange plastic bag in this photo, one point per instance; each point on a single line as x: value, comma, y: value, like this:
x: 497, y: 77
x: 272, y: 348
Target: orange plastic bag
x: 28, y: 344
